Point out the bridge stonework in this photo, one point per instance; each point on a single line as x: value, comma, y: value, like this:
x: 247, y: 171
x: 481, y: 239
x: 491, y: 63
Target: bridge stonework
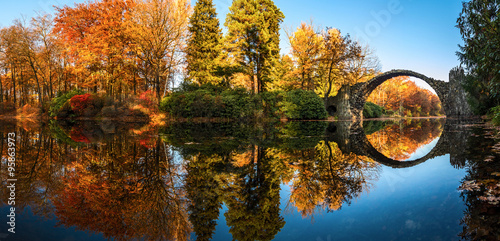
x: 350, y: 100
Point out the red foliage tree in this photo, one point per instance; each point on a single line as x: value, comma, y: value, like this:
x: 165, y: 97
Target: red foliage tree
x: 81, y: 102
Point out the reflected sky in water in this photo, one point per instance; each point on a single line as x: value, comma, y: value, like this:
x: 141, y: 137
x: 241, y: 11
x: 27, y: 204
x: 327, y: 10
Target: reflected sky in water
x: 423, y: 150
x: 291, y: 178
x: 420, y: 202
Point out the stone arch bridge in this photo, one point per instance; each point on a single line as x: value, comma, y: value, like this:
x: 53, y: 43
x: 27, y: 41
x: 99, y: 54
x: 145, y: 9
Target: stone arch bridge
x: 350, y: 100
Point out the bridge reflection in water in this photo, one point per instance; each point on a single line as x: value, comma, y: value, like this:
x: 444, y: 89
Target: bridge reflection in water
x: 171, y: 184
x: 351, y: 137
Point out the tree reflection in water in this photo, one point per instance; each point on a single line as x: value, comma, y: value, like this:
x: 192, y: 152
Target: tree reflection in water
x: 324, y: 177
x: 398, y: 140
x: 133, y: 182
x: 481, y: 188
x: 116, y: 186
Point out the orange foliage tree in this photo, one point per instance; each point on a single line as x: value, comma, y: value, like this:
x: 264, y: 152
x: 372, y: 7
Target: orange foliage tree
x: 95, y: 40
x: 159, y: 30
x: 325, y: 60
x: 403, y: 96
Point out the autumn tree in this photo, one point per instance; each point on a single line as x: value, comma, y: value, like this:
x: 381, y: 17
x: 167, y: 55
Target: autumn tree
x: 95, y: 39
x: 253, y: 39
x: 326, y: 60
x: 286, y: 75
x: 403, y: 96
x: 29, y: 59
x: 48, y: 51
x: 339, y: 52
x: 159, y: 31
x: 29, y: 54
x: 388, y: 94
x: 204, y: 43
x: 10, y: 47
x: 363, y: 67
x: 307, y: 46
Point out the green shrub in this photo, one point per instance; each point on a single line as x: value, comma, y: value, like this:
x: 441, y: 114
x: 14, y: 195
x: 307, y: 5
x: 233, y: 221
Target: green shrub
x: 270, y: 103
x: 188, y: 86
x: 57, y: 103
x: 198, y: 103
x: 205, y: 102
x: 494, y: 114
x: 372, y: 110
x: 210, y: 101
x: 237, y: 103
x: 303, y: 105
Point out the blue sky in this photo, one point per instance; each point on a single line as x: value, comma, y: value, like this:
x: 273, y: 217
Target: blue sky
x: 405, y: 34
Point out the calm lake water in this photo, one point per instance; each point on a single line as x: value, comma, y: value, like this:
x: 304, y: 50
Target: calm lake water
x: 418, y: 179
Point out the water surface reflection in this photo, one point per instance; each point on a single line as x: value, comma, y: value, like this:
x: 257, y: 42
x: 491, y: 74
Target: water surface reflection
x: 190, y: 180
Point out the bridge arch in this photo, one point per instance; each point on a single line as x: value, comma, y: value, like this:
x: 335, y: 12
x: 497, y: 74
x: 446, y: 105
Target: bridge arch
x: 367, y: 149
x: 350, y: 100
x: 351, y: 138
x: 365, y: 89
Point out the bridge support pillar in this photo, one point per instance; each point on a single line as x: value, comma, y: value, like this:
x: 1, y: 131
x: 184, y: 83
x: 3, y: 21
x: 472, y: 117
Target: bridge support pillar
x: 456, y: 104
x: 342, y: 105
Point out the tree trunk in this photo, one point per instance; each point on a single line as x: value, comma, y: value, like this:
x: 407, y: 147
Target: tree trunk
x: 23, y: 90
x: 1, y: 92
x: 135, y: 84
x: 330, y: 82
x: 40, y: 94
x: 51, y: 91
x: 13, y: 77
x: 158, y: 87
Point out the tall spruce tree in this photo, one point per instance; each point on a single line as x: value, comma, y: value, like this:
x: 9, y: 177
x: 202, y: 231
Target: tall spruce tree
x: 204, y: 44
x: 253, y: 38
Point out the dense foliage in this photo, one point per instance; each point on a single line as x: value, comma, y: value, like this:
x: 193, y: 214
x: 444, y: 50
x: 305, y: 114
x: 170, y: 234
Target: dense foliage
x: 211, y: 101
x: 57, y: 103
x: 479, y: 24
x: 494, y: 114
x: 129, y: 47
x: 116, y: 47
x: 81, y: 103
x: 372, y: 110
x: 76, y: 103
x: 303, y: 104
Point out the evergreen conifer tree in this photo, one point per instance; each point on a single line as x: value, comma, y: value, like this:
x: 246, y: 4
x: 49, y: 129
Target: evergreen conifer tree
x: 204, y: 44
x: 253, y: 38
